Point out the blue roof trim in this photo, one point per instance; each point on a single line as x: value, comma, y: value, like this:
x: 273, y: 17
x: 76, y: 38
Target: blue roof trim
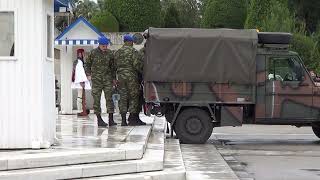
x: 80, y: 19
x: 69, y: 4
x: 63, y: 2
x: 76, y: 42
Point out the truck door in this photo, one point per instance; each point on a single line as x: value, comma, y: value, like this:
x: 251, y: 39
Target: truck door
x: 288, y: 92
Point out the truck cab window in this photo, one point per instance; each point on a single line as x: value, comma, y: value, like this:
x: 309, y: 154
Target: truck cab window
x: 285, y: 69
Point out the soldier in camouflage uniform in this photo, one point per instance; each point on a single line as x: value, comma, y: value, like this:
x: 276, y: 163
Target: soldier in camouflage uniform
x: 140, y: 73
x: 100, y: 66
x: 140, y: 78
x: 127, y: 64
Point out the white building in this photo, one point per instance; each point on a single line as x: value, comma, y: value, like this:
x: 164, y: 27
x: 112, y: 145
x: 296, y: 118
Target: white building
x: 27, y: 105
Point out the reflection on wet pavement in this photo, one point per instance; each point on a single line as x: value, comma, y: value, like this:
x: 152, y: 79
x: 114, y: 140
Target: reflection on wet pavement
x: 74, y: 132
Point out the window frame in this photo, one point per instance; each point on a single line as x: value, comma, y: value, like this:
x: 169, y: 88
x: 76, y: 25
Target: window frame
x: 49, y: 14
x: 296, y: 58
x: 16, y: 44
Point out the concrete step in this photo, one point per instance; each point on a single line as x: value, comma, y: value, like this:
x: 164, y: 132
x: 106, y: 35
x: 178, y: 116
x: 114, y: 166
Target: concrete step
x: 203, y: 161
x: 152, y: 161
x: 173, y: 167
x: 133, y: 147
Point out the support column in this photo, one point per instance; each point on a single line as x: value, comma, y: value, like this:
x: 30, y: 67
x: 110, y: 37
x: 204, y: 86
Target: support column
x: 66, y: 76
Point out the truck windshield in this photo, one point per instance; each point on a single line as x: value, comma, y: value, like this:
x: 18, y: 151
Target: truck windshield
x: 285, y: 69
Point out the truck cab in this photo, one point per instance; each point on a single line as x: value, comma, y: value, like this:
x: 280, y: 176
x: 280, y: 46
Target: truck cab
x: 286, y: 92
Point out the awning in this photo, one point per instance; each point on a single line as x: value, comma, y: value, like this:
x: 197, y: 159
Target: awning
x: 76, y: 42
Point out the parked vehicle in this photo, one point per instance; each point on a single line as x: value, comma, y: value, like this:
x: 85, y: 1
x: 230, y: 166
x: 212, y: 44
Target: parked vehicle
x: 205, y: 78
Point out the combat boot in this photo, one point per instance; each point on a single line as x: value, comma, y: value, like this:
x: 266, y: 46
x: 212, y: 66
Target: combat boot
x: 139, y: 121
x: 111, y: 122
x: 134, y: 120
x: 124, y: 119
x: 101, y: 123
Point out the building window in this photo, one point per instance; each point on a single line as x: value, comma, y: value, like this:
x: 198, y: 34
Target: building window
x: 7, y: 48
x: 49, y: 37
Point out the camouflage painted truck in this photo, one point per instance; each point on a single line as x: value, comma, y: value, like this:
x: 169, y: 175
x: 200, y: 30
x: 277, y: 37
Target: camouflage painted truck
x: 200, y: 79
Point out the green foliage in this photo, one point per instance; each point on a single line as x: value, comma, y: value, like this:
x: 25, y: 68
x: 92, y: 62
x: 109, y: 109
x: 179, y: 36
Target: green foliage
x: 85, y: 8
x: 135, y: 15
x: 225, y: 14
x: 258, y: 10
x: 279, y: 18
x: 316, y: 35
x: 105, y: 22
x: 307, y: 11
x: 202, y: 4
x: 171, y: 18
x: 188, y: 13
x: 308, y: 50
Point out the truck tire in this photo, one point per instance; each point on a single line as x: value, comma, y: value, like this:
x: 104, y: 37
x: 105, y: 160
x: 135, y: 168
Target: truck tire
x: 193, y: 126
x: 316, y: 130
x: 274, y: 38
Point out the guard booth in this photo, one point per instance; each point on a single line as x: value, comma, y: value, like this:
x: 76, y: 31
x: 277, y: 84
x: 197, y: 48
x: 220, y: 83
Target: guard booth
x: 80, y: 34
x: 27, y: 105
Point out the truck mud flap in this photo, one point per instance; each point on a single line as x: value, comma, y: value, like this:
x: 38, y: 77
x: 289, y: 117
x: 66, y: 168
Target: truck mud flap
x: 231, y: 116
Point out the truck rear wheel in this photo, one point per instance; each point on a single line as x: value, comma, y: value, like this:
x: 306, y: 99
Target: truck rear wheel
x: 316, y: 130
x: 193, y: 126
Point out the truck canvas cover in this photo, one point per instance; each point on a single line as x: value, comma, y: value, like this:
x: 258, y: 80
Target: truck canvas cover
x: 201, y: 55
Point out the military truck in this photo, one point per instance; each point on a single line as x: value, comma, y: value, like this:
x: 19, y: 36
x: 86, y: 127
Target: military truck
x: 200, y: 79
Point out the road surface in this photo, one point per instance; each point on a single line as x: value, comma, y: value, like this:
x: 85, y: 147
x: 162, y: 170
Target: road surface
x: 270, y: 152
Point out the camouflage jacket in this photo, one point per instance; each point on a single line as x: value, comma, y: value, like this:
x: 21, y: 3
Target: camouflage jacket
x: 100, y: 65
x: 141, y: 62
x: 127, y: 61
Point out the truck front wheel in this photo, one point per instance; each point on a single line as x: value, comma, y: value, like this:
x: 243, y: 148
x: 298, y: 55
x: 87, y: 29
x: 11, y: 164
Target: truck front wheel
x: 316, y: 130
x: 193, y: 126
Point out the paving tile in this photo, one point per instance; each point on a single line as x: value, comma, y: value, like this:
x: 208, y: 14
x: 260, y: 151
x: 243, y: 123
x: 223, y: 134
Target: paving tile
x: 65, y: 158
x: 205, y: 162
x: 104, y: 169
x: 145, y: 165
x: 48, y: 174
x: 3, y: 164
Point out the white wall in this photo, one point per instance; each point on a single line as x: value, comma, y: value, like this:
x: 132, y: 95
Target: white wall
x: 27, y: 85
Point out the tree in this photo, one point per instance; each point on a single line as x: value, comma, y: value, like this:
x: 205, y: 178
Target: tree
x: 188, y: 13
x: 135, y: 15
x: 308, y: 50
x: 202, y: 4
x: 105, y: 22
x: 279, y: 18
x: 257, y: 11
x: 171, y: 18
x: 307, y: 11
x: 225, y: 14
x: 84, y: 8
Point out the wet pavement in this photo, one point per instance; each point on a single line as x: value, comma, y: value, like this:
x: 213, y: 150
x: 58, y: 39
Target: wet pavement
x: 204, y: 162
x: 81, y: 141
x: 270, y: 152
x: 75, y: 132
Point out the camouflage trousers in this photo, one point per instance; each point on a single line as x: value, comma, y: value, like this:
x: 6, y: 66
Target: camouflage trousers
x: 97, y: 88
x: 129, y: 95
x: 141, y: 100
